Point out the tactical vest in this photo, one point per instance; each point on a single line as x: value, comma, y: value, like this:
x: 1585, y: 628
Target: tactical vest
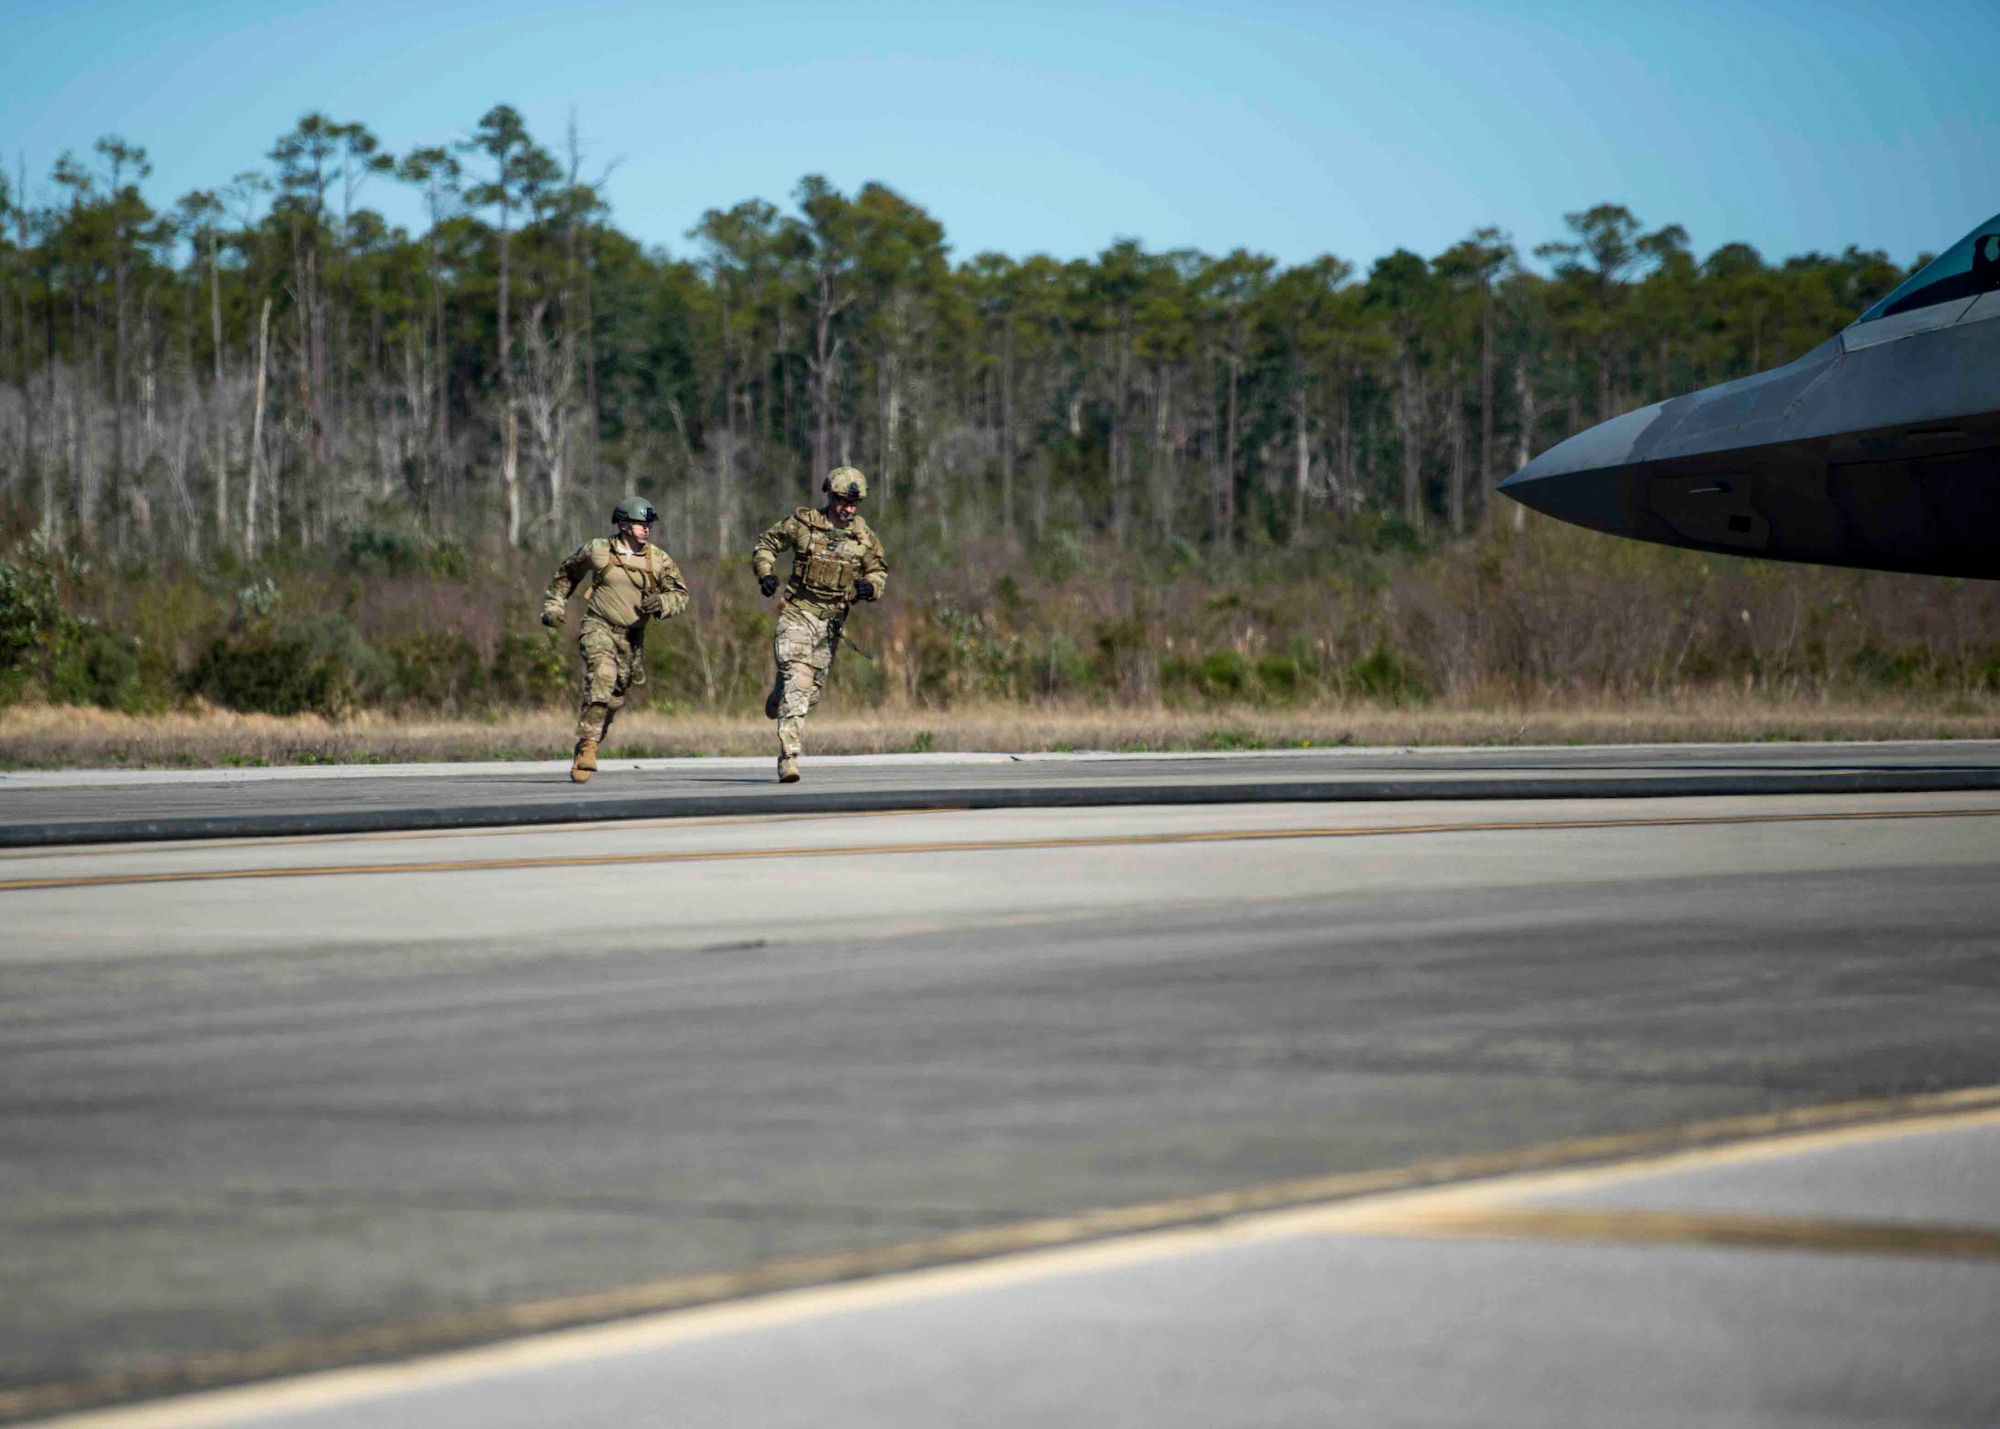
x: 827, y: 568
x: 641, y: 568
x: 616, y: 601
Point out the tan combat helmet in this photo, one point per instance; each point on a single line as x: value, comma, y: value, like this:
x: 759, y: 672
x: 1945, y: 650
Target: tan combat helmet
x: 847, y: 483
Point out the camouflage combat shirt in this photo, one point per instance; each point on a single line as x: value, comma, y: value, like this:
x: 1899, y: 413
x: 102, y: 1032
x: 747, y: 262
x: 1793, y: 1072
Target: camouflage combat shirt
x: 826, y: 559
x: 615, y: 580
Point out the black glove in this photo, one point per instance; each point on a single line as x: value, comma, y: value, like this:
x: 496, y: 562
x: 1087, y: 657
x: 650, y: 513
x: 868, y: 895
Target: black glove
x: 553, y: 619
x: 768, y: 584
x: 864, y: 589
x: 651, y: 604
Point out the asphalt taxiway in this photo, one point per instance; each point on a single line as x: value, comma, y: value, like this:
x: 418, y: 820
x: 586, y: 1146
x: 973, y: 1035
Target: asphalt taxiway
x: 274, y: 1105
x: 1849, y: 1277
x: 61, y: 807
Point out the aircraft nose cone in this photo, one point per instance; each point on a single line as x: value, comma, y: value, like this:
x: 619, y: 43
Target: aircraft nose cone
x: 1605, y: 445
x: 1578, y: 480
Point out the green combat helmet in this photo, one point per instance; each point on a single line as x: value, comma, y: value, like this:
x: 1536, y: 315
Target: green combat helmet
x: 637, y: 510
x: 847, y: 483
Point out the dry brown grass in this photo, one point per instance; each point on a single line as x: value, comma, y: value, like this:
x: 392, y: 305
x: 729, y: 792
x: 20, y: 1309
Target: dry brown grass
x: 62, y: 737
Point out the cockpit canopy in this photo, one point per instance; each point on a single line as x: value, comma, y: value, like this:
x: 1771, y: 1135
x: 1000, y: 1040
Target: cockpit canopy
x: 1968, y: 268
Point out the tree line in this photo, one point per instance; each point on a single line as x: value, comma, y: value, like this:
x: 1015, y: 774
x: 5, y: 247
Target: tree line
x: 272, y: 364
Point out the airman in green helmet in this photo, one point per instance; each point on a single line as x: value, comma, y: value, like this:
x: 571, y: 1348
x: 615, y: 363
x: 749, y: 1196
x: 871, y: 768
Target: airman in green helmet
x: 627, y: 582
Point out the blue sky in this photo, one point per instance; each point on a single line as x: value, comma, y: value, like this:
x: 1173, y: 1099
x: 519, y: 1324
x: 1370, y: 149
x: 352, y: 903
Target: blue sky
x: 1294, y: 129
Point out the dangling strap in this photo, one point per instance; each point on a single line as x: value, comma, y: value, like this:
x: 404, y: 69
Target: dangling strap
x: 649, y: 579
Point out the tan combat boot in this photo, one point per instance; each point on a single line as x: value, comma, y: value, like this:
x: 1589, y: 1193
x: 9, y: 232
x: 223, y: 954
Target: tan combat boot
x: 788, y: 769
x: 585, y: 763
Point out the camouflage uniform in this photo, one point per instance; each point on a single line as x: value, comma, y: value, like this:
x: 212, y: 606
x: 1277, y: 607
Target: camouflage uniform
x: 826, y: 561
x: 613, y: 636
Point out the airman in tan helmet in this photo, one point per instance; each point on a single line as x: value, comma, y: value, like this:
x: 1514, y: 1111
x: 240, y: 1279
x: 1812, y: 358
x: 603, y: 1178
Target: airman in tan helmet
x: 836, y: 560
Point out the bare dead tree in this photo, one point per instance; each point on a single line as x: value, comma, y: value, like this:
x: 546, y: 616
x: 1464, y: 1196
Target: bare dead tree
x: 547, y: 397
x: 257, y: 431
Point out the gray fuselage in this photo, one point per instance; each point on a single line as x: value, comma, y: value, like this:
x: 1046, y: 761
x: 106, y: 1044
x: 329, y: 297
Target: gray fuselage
x: 1880, y: 448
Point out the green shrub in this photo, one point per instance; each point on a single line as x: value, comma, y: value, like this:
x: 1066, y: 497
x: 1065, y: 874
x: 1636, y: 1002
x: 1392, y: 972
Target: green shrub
x: 1124, y: 665
x: 1223, y: 675
x: 529, y: 671
x: 961, y: 654
x: 387, y: 551
x: 448, y: 559
x: 31, y: 617
x: 860, y: 681
x: 380, y: 549
x: 1385, y: 531
x: 1058, y: 669
x: 259, y: 598
x: 317, y: 665
x: 1061, y: 556
x: 32, y: 627
x: 1381, y: 675
x: 94, y: 666
x: 1282, y: 676
x: 68, y: 660
x: 1887, y: 670
x: 439, y: 669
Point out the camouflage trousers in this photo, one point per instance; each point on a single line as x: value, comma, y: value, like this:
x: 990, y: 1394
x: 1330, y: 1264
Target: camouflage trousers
x: 613, y: 662
x: 803, y: 649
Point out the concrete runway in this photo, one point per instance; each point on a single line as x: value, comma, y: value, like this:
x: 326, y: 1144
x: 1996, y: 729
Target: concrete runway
x: 263, y: 1098
x: 42, y: 809
x: 1685, y: 1290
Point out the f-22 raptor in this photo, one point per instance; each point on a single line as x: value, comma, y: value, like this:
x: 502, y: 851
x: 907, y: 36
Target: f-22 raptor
x: 1878, y: 449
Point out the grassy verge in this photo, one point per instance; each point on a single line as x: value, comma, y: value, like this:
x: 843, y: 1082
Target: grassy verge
x: 1543, y: 616
x: 49, y: 737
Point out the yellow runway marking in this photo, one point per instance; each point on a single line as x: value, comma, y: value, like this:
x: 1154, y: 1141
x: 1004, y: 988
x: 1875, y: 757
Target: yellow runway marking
x: 605, y: 860
x: 1619, y: 1227
x: 1424, y: 1198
